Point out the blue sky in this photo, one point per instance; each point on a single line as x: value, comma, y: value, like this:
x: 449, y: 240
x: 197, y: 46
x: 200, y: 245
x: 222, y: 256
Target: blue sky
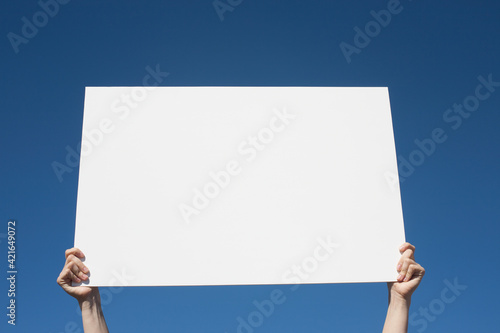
x: 430, y: 54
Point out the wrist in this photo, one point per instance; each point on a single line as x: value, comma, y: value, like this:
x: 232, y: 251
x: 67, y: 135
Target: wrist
x: 92, y: 315
x: 397, y: 300
x: 92, y: 300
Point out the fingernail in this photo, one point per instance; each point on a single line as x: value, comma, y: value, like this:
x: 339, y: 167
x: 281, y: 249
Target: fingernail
x: 399, y: 277
x: 406, y: 279
x: 402, y: 247
x: 399, y: 267
x: 85, y: 269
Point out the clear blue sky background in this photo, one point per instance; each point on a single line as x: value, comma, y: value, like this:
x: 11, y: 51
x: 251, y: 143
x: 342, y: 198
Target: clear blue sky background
x: 430, y: 56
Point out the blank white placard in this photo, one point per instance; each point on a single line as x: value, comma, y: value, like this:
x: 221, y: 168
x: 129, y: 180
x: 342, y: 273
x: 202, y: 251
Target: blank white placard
x: 238, y: 185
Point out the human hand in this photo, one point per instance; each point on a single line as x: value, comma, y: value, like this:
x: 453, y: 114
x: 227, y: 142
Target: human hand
x: 75, y: 271
x: 410, y: 274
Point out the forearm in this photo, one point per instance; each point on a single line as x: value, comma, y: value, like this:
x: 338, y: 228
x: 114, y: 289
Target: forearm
x: 92, y: 315
x: 397, y: 315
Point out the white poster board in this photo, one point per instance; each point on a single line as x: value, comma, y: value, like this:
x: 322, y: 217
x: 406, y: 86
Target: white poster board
x: 238, y: 186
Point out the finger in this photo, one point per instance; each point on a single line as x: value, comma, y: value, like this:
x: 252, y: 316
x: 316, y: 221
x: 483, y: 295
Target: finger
x: 66, y: 277
x: 404, y: 268
x: 76, y: 270
x: 74, y: 251
x: 405, y: 247
x: 72, y: 258
x: 414, y: 271
x: 407, y: 251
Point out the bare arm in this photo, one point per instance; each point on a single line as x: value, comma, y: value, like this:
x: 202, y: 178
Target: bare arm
x: 88, y: 297
x: 410, y: 275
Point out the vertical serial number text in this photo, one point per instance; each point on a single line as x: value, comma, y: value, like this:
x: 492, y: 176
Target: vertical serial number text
x: 11, y: 271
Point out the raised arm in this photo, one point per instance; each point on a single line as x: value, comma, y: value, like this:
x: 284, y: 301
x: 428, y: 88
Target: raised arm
x: 88, y: 297
x: 410, y: 275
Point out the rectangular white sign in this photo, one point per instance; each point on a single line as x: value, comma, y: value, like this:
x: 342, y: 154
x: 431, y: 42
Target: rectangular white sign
x: 238, y: 186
